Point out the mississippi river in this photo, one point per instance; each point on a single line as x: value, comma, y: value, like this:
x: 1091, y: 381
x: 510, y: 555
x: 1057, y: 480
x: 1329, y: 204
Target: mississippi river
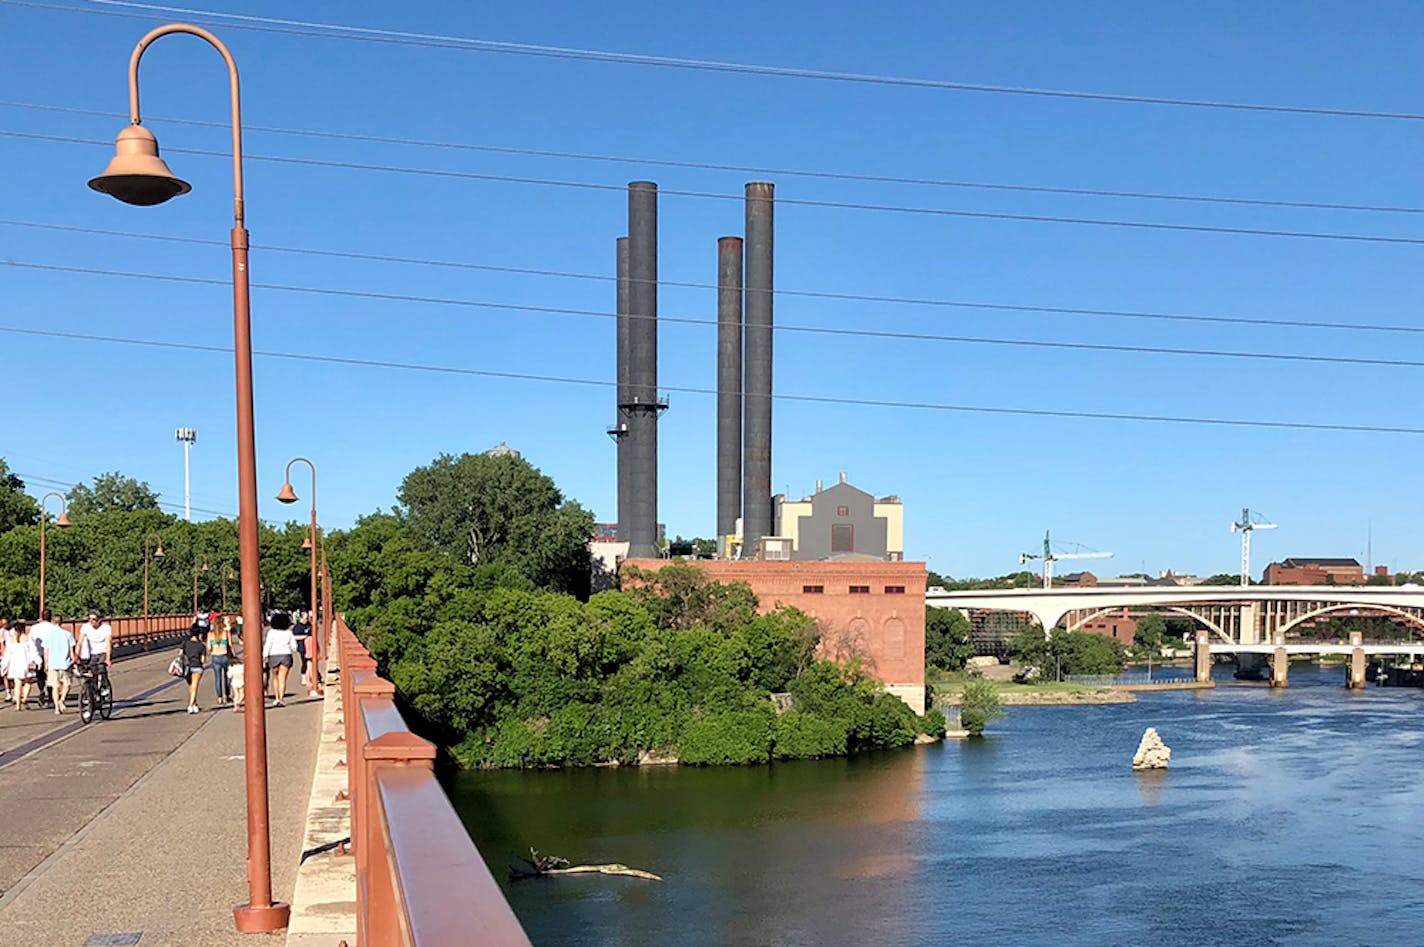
x: 1290, y: 817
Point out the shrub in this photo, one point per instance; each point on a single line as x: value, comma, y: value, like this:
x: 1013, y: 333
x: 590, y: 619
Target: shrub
x: 737, y: 737
x: 933, y: 723
x: 979, y: 704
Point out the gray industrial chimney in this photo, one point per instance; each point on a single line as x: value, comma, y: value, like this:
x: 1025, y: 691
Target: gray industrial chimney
x: 729, y: 387
x: 642, y: 405
x: 756, y: 456
x: 620, y: 425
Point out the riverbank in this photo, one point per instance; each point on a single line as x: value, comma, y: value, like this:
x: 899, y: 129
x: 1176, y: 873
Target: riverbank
x: 1048, y: 694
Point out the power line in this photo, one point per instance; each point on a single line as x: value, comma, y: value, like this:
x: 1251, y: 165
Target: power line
x: 688, y: 320
x: 473, y: 44
x: 856, y: 177
x: 812, y: 294
x: 69, y: 485
x: 809, y: 399
x: 783, y: 201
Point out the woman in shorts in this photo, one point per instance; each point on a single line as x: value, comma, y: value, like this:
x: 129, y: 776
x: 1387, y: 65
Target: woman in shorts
x: 278, y: 648
x: 195, y: 650
x: 21, y: 659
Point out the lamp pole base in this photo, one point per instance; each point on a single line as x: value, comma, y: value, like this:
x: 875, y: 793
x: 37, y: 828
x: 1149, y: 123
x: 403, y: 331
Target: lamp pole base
x: 251, y: 920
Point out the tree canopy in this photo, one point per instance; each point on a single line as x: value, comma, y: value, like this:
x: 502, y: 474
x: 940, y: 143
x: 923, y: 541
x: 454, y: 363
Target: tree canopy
x: 1068, y: 652
x: 499, y: 513
x: 17, y: 508
x: 111, y: 493
x: 947, y: 644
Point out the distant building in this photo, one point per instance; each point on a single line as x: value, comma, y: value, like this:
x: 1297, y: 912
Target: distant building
x: 1118, y: 625
x: 837, y: 522
x: 503, y: 450
x: 1303, y: 571
x: 1185, y: 581
x: 873, y: 612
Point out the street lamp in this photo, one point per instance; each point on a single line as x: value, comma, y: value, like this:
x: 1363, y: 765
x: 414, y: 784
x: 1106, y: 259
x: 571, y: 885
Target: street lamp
x: 288, y: 495
x: 158, y: 554
x: 137, y: 175
x: 226, y: 574
x: 62, y: 522
x: 196, y: 570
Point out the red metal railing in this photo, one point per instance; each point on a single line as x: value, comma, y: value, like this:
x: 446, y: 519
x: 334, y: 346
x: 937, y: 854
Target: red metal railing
x: 138, y: 629
x: 420, y: 881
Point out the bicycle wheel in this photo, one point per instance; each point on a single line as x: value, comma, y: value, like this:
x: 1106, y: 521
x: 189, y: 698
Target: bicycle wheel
x: 106, y: 698
x: 86, y: 702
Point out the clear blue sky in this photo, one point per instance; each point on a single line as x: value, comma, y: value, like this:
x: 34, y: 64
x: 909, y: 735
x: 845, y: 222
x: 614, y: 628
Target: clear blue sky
x: 978, y: 488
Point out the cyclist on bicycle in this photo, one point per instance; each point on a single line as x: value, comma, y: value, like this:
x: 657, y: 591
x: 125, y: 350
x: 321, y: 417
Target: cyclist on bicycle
x: 96, y: 647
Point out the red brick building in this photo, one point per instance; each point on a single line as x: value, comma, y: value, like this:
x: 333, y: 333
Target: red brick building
x: 1300, y: 571
x: 1118, y: 625
x: 867, y: 609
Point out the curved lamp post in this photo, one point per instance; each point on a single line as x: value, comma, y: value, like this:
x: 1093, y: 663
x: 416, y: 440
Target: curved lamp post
x: 62, y: 522
x: 137, y: 175
x: 158, y: 554
x: 196, y: 570
x: 288, y: 495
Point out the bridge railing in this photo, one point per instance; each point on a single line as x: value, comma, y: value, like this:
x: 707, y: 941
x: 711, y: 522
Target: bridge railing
x: 420, y: 881
x: 138, y: 630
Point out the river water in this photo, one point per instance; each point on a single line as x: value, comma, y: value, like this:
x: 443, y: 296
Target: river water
x: 1288, y: 817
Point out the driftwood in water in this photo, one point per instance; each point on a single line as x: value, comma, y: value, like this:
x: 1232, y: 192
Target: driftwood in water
x: 540, y: 866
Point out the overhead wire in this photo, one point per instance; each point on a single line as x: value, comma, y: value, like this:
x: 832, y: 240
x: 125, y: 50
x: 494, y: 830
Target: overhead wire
x: 688, y: 320
x: 781, y: 201
x: 683, y: 284
x: 855, y: 177
x: 135, y: 10
x: 685, y: 389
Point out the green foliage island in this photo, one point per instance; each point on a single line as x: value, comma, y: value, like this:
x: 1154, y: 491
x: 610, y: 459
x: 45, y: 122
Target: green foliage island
x: 468, y: 594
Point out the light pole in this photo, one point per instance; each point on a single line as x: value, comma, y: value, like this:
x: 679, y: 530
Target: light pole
x: 137, y: 175
x: 288, y: 495
x: 189, y: 436
x: 196, y: 570
x: 158, y: 554
x: 226, y: 574
x: 62, y: 522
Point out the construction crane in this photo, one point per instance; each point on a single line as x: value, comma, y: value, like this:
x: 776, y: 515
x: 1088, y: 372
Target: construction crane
x: 1246, y: 528
x: 1049, y: 557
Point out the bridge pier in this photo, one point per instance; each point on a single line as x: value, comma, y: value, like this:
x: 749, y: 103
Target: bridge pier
x: 1355, y: 667
x: 1203, y: 657
x: 1280, y: 664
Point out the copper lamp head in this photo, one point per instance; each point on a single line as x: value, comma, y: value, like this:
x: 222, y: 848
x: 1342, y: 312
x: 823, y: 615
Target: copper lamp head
x: 63, y: 520
x: 158, y: 553
x: 306, y: 543
x: 288, y: 495
x: 137, y: 175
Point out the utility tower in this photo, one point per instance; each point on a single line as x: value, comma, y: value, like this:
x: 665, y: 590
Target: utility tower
x: 189, y: 436
x: 1049, y: 557
x: 1245, y: 527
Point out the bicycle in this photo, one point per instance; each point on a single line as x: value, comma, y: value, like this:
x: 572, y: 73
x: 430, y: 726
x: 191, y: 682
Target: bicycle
x: 97, y: 693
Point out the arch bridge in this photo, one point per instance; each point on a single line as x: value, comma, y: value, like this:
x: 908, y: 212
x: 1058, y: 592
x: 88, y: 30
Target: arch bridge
x: 1233, y: 615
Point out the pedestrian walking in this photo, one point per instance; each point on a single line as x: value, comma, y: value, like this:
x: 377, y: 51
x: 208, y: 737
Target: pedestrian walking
x: 7, y: 636
x: 20, y: 660
x: 220, y: 652
x: 57, y: 644
x: 194, y: 650
x: 279, y: 647
x: 301, y: 633
x: 237, y: 683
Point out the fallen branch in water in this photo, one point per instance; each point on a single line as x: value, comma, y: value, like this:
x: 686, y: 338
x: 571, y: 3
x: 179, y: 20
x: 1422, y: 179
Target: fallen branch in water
x: 543, y: 865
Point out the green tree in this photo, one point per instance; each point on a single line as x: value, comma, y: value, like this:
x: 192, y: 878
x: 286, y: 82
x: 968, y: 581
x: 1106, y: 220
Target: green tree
x: 111, y: 493
x: 947, y: 644
x: 978, y: 705
x: 1222, y: 578
x: 1068, y: 652
x: 499, y: 511
x: 17, y: 508
x: 1151, y: 630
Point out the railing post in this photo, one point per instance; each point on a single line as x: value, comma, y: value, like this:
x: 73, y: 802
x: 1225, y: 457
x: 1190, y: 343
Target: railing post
x: 385, y: 910
x: 369, y: 688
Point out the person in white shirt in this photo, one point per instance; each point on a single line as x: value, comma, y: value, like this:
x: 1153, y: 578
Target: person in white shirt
x: 7, y: 636
x: 278, y: 647
x: 58, y: 646
x: 19, y: 662
x: 96, y: 648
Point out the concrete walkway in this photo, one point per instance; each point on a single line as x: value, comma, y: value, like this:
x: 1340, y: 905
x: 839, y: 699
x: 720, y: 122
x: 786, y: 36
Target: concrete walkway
x: 136, y: 825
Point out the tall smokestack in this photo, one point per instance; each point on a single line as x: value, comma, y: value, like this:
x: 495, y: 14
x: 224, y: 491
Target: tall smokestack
x: 756, y: 484
x: 620, y: 427
x: 729, y: 387
x: 643, y: 368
